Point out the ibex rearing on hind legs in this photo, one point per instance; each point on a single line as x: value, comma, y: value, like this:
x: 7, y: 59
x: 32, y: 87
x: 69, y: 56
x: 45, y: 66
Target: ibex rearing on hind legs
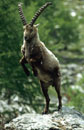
x: 44, y: 63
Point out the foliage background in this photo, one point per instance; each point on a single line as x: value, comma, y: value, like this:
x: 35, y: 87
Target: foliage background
x: 61, y: 29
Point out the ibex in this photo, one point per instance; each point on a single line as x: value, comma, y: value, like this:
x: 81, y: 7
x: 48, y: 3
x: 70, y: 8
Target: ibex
x: 44, y: 63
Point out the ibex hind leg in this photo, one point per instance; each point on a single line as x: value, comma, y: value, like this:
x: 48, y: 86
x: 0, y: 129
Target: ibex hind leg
x: 45, y: 92
x: 57, y: 88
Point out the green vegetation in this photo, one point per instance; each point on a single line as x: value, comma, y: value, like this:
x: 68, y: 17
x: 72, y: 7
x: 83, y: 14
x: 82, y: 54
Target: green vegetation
x: 61, y: 28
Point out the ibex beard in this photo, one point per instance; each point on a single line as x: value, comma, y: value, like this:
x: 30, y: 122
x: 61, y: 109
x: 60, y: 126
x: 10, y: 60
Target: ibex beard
x: 44, y: 63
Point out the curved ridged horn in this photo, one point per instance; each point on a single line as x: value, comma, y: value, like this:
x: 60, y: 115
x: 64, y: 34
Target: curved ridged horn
x: 39, y: 12
x: 21, y: 14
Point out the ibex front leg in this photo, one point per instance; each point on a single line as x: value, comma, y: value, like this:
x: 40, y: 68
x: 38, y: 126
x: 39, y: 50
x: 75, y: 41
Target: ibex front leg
x: 23, y: 62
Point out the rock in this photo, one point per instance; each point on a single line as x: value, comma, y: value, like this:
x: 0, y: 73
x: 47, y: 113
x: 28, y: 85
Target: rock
x: 4, y: 107
x: 66, y: 119
x: 14, y: 109
x: 17, y: 104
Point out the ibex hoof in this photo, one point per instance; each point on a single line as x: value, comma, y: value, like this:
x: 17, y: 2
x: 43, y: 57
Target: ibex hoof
x: 44, y: 112
x: 59, y: 107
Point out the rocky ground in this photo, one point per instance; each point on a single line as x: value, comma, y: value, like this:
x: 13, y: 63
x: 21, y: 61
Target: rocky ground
x: 17, y: 107
x: 66, y: 119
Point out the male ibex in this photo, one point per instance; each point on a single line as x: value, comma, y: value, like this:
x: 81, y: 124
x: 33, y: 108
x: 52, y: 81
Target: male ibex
x: 44, y: 63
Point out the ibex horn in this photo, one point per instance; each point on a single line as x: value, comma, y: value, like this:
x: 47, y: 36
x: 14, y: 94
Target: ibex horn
x: 21, y: 14
x: 39, y: 12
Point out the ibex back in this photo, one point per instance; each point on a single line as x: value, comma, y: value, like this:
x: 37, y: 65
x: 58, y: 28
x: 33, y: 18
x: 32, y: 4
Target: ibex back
x: 44, y: 63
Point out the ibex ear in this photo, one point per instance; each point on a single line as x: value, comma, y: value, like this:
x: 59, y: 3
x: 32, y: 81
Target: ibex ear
x: 36, y: 25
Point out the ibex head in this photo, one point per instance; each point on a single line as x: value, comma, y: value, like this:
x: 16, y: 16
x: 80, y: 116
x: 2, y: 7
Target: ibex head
x: 30, y: 30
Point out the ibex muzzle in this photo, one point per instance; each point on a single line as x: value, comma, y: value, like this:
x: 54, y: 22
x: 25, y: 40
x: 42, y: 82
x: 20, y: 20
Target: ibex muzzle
x: 44, y: 63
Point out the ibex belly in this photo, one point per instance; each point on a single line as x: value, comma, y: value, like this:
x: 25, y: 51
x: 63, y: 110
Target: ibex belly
x: 44, y: 76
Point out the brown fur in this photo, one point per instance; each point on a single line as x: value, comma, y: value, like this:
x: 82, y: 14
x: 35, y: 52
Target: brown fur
x: 44, y: 63
x: 35, y: 54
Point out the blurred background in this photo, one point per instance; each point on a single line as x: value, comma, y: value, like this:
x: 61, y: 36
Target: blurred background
x: 62, y: 30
